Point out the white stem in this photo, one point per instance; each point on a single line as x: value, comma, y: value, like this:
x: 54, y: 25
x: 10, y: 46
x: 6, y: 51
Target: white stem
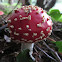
x: 29, y: 46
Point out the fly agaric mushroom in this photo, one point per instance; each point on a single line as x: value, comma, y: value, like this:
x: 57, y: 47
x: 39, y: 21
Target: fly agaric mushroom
x: 29, y: 24
x: 1, y: 13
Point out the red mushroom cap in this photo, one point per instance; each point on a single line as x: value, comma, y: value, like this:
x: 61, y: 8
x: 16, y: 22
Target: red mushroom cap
x: 30, y: 24
x: 1, y: 13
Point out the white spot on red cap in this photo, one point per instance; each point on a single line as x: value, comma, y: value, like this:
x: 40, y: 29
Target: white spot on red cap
x: 41, y: 32
x: 36, y: 38
x: 15, y: 19
x: 12, y: 26
x: 29, y: 17
x: 9, y: 21
x: 26, y: 34
x: 27, y: 26
x: 24, y: 18
x: 49, y: 33
x: 34, y: 34
x: 48, y: 29
x: 30, y: 41
x: 29, y: 29
x: 20, y: 15
x: 43, y: 19
x: 21, y: 19
x: 49, y: 23
x: 34, y: 8
x: 20, y: 28
x: 39, y: 25
x: 38, y: 11
x: 16, y: 33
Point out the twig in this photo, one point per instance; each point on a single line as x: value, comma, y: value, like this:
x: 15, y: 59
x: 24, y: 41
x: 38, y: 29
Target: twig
x: 55, y: 54
x: 57, y: 30
x: 46, y: 53
x: 35, y: 50
x: 51, y: 39
x: 37, y: 55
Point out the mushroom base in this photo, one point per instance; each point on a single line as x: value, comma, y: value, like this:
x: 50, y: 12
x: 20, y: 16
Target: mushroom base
x: 28, y: 46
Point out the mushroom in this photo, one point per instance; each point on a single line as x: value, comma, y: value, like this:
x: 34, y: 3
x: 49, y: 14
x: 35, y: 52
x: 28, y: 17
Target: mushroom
x: 1, y: 13
x: 29, y: 24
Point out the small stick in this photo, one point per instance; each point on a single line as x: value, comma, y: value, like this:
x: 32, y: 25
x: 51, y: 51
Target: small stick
x: 51, y: 39
x: 54, y: 53
x: 46, y: 53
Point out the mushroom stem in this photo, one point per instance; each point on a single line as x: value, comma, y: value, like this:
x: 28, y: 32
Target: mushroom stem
x: 28, y: 46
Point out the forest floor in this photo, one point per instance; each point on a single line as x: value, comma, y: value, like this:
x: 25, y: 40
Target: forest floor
x: 8, y: 51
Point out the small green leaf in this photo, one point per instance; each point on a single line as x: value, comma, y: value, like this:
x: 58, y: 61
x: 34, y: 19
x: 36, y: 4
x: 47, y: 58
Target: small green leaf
x: 24, y: 57
x: 59, y: 45
x: 60, y: 19
x: 55, y: 14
